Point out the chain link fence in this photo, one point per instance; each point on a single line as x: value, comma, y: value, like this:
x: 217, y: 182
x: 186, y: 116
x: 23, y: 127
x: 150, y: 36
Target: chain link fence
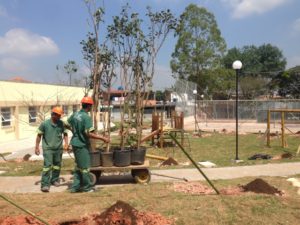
x: 248, y: 110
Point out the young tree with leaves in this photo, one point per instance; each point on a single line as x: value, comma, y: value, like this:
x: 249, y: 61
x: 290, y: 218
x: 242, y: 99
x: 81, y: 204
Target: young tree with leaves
x: 93, y: 51
x: 137, y: 52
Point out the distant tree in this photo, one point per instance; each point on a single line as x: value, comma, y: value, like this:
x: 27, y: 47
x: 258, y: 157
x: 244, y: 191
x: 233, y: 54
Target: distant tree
x: 199, y: 47
x: 265, y: 60
x: 222, y: 84
x: 261, y: 66
x: 252, y: 87
x: 159, y: 95
x: 70, y: 68
x: 289, y: 83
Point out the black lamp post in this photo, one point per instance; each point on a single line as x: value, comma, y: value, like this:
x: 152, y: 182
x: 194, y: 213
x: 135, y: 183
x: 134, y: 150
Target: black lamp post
x: 195, y: 109
x: 237, y: 65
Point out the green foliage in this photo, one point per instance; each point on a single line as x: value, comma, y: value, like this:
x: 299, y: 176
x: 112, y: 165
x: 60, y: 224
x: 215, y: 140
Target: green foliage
x: 159, y: 96
x: 199, y: 47
x: 265, y: 60
x: 253, y: 86
x: 136, y: 49
x: 222, y: 83
x: 261, y: 66
x: 289, y: 83
x: 70, y: 68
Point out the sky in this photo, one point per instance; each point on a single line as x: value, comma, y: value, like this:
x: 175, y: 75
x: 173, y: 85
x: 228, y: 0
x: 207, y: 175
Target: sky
x: 38, y: 35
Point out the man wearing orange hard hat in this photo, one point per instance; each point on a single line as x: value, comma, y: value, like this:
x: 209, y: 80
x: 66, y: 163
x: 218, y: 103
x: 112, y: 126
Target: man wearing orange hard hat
x: 82, y: 128
x: 52, y: 132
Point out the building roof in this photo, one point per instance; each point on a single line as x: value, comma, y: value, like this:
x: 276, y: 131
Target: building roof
x: 18, y: 93
x: 19, y: 79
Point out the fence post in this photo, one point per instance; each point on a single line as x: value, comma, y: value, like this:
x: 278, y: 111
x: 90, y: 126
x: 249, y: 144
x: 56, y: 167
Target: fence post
x: 268, y: 128
x: 282, y: 130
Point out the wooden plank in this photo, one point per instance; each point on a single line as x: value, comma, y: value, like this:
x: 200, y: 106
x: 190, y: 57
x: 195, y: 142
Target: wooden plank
x: 285, y: 110
x: 151, y: 135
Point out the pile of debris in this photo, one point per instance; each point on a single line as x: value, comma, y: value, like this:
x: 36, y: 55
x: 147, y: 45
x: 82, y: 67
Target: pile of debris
x: 20, y: 220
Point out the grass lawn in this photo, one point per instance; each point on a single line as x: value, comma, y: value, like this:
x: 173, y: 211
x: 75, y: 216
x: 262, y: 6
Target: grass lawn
x: 220, y: 149
x: 161, y: 198
x: 217, y: 148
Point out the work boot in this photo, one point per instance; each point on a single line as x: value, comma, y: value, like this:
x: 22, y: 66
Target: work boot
x: 56, y: 184
x: 91, y: 190
x: 45, y: 189
x: 74, y: 191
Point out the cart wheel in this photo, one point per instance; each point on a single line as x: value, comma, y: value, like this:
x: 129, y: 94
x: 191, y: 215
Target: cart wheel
x: 93, y: 178
x: 133, y: 172
x: 141, y: 176
x: 96, y: 174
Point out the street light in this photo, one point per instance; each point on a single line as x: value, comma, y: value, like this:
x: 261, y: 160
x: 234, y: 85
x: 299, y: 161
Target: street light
x: 195, y: 110
x: 237, y: 65
x: 202, y: 108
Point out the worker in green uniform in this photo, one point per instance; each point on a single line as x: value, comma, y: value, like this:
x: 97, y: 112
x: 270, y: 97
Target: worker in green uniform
x: 52, y: 132
x: 82, y: 127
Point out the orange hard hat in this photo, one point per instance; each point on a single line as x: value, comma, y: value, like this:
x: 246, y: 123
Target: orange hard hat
x: 58, y: 110
x: 87, y: 100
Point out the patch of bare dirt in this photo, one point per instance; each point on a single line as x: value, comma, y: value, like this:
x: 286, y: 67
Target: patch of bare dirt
x: 232, y: 191
x: 192, y: 188
x: 121, y: 213
x: 257, y: 186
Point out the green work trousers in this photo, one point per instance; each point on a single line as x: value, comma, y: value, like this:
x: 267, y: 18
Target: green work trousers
x: 51, y: 168
x: 81, y: 179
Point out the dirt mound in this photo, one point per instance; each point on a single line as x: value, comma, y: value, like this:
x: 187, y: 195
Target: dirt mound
x: 287, y: 155
x: 261, y: 186
x: 24, y: 220
x: 283, y: 156
x: 192, y: 188
x: 121, y: 213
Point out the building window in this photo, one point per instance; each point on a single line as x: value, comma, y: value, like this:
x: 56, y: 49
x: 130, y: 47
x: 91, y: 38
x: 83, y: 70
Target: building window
x: 74, y: 108
x: 6, y: 117
x: 32, y: 113
x: 65, y: 109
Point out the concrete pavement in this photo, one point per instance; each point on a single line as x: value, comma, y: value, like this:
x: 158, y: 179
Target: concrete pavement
x: 29, y: 184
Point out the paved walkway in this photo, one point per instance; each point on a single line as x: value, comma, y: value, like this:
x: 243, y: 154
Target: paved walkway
x: 28, y: 184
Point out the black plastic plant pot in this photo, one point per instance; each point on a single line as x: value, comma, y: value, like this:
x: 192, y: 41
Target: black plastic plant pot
x: 122, y: 157
x: 107, y: 159
x: 138, y: 155
x: 95, y: 158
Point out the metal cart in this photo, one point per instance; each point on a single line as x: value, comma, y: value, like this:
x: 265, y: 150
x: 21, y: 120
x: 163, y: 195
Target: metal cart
x: 140, y: 173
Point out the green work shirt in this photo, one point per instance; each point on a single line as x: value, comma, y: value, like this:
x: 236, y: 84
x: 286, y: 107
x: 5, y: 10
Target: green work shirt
x: 52, y: 134
x: 81, y: 123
